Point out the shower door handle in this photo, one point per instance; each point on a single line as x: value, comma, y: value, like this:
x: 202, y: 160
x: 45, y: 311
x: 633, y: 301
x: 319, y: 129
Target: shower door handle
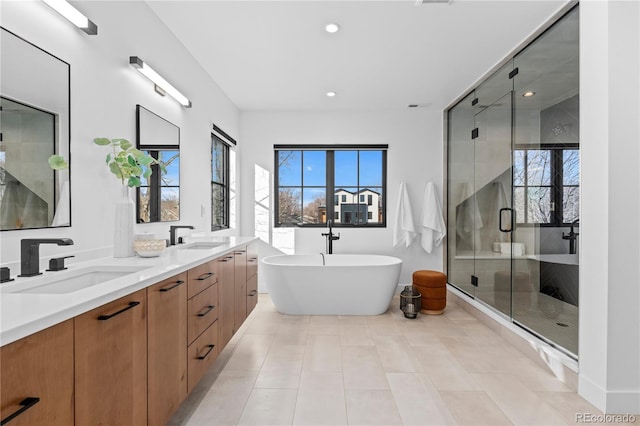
x: 506, y: 219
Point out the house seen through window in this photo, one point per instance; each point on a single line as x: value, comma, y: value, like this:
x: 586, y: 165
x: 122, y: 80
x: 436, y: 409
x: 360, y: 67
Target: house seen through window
x: 343, y: 183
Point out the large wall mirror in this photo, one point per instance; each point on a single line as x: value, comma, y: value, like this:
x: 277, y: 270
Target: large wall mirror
x: 158, y: 197
x: 34, y: 124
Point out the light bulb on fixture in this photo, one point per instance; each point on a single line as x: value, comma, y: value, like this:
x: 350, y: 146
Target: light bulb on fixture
x: 332, y: 28
x: 160, y: 82
x: 73, y: 15
x: 331, y: 94
x: 528, y: 94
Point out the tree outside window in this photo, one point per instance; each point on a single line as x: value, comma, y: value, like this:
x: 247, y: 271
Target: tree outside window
x: 219, y: 183
x: 546, y: 185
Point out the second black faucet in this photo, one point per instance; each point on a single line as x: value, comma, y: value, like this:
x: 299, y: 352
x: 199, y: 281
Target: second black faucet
x: 172, y: 232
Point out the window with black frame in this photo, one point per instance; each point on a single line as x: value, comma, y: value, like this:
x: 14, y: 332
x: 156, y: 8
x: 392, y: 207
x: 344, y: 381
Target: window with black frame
x: 159, y: 196
x: 547, y: 185
x: 220, y: 145
x: 345, y: 183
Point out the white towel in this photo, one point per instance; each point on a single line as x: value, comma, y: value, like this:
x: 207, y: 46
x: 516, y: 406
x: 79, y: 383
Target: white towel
x: 62, y: 216
x: 404, y: 230
x: 468, y: 220
x: 431, y: 223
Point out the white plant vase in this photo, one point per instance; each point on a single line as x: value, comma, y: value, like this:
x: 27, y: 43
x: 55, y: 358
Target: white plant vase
x: 123, y: 230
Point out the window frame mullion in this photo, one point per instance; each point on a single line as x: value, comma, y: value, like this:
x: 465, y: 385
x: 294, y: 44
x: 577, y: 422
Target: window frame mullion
x: 330, y: 184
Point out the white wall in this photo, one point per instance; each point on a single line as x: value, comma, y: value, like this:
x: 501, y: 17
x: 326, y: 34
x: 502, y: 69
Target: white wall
x: 610, y: 232
x: 415, y: 155
x: 104, y: 92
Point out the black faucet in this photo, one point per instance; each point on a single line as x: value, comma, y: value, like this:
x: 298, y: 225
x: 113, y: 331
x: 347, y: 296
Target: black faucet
x: 572, y: 236
x: 331, y: 237
x: 172, y: 232
x: 30, y: 253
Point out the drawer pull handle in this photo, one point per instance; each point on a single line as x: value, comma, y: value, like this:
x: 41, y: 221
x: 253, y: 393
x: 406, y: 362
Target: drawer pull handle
x: 253, y: 292
x: 106, y: 317
x: 239, y: 252
x: 226, y: 259
x: 206, y: 310
x: 171, y: 287
x: 208, y: 352
x: 253, y: 259
x: 205, y: 276
x: 26, y: 404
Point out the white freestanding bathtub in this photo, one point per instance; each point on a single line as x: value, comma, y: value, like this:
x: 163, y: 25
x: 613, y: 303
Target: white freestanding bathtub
x: 347, y: 284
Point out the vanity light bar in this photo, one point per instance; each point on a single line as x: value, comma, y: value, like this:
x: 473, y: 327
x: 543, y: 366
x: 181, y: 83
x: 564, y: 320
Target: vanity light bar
x: 73, y: 15
x: 160, y: 82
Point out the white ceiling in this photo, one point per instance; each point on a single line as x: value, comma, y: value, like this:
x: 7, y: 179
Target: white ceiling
x: 275, y: 55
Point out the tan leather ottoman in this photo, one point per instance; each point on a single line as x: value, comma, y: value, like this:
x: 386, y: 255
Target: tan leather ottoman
x: 432, y: 285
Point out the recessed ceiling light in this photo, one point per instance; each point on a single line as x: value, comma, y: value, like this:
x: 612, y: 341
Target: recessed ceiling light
x: 332, y: 28
x: 528, y: 94
x: 331, y: 94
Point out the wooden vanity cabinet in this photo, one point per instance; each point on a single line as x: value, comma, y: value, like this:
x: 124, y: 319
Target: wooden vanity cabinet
x: 132, y: 361
x: 111, y: 363
x: 36, y: 380
x: 166, y: 339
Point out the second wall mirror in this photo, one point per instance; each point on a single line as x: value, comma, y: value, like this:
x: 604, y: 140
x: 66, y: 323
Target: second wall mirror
x: 158, y: 198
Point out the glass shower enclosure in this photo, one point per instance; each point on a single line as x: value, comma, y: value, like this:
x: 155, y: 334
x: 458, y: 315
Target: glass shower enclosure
x: 513, y: 188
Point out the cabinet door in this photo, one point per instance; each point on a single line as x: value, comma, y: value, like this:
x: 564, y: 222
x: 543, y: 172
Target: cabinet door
x: 202, y: 353
x: 226, y: 295
x: 111, y: 363
x: 166, y: 347
x: 252, y: 293
x: 240, y: 285
x: 252, y: 260
x: 37, y: 378
x: 202, y: 311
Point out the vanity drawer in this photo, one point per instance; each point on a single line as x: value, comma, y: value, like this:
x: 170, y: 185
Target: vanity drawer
x: 201, y: 355
x: 202, y: 311
x: 252, y: 260
x: 201, y: 277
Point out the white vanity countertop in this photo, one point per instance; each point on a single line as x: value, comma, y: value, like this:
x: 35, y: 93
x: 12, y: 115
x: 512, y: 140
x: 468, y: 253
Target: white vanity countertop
x: 23, y: 314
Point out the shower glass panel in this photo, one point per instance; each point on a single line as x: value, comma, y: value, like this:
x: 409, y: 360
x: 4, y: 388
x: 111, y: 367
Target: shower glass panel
x: 546, y: 183
x: 493, y: 195
x: 461, y: 196
x: 513, y: 187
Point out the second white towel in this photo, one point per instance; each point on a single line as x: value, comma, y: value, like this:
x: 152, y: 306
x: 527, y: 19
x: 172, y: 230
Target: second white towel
x: 432, y: 223
x: 404, y: 231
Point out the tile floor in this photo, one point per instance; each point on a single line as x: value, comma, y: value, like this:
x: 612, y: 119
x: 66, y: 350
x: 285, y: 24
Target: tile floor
x: 381, y: 370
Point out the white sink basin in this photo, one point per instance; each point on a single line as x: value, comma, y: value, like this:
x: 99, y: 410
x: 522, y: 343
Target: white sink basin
x: 71, y: 280
x: 201, y: 245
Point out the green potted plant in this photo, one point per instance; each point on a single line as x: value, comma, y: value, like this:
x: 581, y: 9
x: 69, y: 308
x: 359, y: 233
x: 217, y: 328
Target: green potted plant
x: 126, y: 162
x: 130, y: 165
